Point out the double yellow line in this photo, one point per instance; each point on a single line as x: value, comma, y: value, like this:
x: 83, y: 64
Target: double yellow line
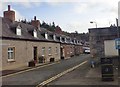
x: 60, y: 74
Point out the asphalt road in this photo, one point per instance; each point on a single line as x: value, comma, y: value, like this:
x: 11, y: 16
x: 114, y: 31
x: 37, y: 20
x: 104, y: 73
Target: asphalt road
x: 85, y: 76
x: 34, y: 77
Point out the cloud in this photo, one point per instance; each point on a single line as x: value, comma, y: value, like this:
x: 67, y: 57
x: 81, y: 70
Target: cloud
x: 27, y: 4
x: 81, y: 8
x: 18, y: 15
x: 75, y: 26
x: 100, y: 5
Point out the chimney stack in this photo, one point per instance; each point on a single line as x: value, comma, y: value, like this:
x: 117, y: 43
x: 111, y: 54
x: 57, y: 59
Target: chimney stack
x: 58, y: 30
x: 36, y: 23
x: 9, y: 14
x: 8, y: 7
x: 34, y: 17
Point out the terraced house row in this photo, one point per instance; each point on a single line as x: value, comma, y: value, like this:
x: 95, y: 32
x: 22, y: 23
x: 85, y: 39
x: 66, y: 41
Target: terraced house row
x: 22, y: 43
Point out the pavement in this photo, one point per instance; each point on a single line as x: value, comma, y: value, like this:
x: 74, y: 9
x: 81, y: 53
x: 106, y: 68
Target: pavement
x: 85, y: 76
x: 23, y: 68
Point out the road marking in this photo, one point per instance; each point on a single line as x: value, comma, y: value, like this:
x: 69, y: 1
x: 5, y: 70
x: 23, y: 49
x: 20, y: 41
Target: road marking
x: 29, y: 70
x: 60, y: 74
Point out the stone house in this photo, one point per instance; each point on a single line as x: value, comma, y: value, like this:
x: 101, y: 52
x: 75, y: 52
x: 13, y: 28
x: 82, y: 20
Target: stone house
x: 22, y: 42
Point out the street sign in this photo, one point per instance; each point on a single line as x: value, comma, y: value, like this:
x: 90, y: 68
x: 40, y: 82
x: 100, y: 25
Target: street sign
x: 117, y: 43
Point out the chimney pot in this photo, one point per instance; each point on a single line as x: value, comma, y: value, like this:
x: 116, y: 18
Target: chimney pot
x: 34, y: 17
x: 8, y: 7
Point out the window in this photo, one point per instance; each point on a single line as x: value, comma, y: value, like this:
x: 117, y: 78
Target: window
x: 18, y: 32
x: 46, y: 36
x: 54, y: 37
x: 43, y: 51
x: 65, y: 40
x: 35, y: 33
x: 49, y: 51
x: 11, y: 54
x: 60, y: 39
x: 56, y: 50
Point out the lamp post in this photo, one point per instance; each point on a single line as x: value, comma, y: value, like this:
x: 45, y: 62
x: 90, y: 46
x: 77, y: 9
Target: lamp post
x: 94, y: 22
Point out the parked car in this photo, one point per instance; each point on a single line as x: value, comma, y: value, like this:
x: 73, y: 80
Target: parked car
x: 87, y: 51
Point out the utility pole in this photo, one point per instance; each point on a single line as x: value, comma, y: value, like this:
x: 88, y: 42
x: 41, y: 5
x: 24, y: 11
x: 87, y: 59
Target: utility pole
x: 118, y: 49
x: 118, y: 34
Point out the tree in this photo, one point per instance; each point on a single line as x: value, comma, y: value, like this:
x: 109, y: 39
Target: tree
x: 76, y: 32
x: 53, y: 25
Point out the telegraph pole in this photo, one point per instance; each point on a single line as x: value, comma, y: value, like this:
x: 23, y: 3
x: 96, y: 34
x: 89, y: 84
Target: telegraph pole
x: 118, y: 49
x: 118, y: 34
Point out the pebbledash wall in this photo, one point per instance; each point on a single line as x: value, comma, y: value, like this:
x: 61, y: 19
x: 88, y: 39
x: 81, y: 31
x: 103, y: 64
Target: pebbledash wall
x: 24, y: 52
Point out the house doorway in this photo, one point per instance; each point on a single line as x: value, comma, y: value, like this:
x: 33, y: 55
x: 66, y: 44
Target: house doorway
x: 35, y: 54
x: 62, y: 53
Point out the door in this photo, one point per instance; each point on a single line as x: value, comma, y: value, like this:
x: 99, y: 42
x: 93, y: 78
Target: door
x: 35, y: 54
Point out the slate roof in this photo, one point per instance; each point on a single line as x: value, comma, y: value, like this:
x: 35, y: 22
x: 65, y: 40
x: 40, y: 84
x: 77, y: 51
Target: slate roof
x: 9, y: 31
x: 104, y: 31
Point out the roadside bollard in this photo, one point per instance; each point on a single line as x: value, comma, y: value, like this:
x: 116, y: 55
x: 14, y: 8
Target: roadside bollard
x: 92, y: 64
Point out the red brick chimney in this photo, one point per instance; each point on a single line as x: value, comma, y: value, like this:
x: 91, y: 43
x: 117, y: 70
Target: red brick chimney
x: 58, y: 30
x: 9, y: 14
x: 35, y: 22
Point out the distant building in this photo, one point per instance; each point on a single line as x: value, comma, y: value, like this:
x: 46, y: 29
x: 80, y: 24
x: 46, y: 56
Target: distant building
x: 97, y: 36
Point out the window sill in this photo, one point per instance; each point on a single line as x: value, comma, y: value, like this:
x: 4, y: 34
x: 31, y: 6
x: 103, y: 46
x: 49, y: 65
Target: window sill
x: 11, y: 60
x: 43, y: 55
x: 49, y: 54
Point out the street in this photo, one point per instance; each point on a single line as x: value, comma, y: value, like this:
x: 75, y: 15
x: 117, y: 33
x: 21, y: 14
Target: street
x: 37, y: 76
x: 84, y: 76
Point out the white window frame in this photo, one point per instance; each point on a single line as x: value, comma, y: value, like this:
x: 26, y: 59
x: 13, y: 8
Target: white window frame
x: 43, y: 51
x: 50, y: 51
x: 65, y: 40
x: 60, y: 39
x: 54, y: 37
x: 18, y: 31
x: 46, y: 36
x: 11, y: 52
x: 74, y: 41
x: 35, y: 33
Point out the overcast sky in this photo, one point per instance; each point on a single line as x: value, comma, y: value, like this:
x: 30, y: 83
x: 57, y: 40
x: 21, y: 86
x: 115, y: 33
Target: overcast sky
x: 70, y: 15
